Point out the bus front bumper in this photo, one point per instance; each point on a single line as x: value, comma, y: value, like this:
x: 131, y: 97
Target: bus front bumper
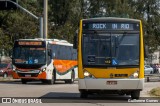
x: 111, y: 84
x: 24, y: 75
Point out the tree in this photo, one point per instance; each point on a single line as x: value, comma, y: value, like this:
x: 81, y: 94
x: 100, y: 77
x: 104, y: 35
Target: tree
x: 64, y: 16
x: 147, y: 11
x: 16, y: 24
x: 150, y: 14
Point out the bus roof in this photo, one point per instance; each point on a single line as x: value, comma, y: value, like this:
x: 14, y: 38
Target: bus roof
x: 116, y: 19
x: 51, y: 41
x: 38, y: 39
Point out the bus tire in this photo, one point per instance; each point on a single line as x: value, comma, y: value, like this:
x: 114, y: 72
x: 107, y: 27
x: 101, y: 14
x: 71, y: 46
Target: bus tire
x: 135, y: 94
x: 23, y: 81
x: 44, y: 81
x: 71, y: 81
x: 83, y: 94
x: 52, y: 81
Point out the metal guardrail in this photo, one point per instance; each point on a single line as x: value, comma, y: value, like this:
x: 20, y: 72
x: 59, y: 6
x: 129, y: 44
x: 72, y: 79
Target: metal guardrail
x: 147, y: 76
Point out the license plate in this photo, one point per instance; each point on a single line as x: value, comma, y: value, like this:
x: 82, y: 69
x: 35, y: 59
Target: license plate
x: 111, y: 83
x: 27, y: 75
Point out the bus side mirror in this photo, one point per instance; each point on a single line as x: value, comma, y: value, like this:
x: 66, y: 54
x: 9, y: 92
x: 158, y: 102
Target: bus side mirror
x: 75, y: 40
x: 146, y: 52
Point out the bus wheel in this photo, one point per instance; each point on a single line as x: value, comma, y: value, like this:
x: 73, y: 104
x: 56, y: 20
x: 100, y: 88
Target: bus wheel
x: 44, y: 81
x: 71, y: 81
x: 83, y: 94
x: 23, y: 81
x: 135, y: 94
x: 72, y: 77
x: 121, y: 94
x: 52, y: 81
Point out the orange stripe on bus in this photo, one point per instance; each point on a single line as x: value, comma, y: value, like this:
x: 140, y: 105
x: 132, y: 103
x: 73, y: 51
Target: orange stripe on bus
x: 64, y: 65
x: 15, y: 75
x: 43, y: 75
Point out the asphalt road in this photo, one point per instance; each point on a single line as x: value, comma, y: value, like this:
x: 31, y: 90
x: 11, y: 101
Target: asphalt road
x: 62, y: 94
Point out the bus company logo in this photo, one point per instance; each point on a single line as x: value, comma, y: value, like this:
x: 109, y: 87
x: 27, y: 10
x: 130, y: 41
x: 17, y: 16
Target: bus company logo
x: 6, y: 100
x: 111, y: 75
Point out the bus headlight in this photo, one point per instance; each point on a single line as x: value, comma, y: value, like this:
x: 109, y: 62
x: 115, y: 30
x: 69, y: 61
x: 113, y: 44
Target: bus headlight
x: 43, y: 69
x: 14, y: 68
x: 135, y: 75
x: 87, y: 74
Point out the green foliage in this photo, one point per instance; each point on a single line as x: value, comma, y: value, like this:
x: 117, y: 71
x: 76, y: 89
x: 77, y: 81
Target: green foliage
x: 15, y: 25
x: 64, y: 17
x: 155, y: 92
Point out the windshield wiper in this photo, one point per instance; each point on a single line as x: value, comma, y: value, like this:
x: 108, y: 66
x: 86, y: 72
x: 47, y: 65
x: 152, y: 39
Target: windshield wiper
x: 121, y: 39
x: 104, y: 42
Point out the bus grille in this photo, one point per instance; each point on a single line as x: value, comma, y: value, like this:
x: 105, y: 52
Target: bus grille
x: 27, y: 74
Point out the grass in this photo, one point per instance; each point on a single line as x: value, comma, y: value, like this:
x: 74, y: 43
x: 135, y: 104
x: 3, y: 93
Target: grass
x: 7, y: 79
x: 155, y: 92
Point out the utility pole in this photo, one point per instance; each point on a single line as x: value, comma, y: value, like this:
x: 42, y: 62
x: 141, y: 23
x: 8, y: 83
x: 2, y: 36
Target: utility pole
x: 45, y: 19
x: 41, y: 27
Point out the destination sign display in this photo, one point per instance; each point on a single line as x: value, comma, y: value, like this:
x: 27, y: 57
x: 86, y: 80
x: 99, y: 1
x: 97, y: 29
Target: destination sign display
x: 111, y: 26
x: 35, y: 43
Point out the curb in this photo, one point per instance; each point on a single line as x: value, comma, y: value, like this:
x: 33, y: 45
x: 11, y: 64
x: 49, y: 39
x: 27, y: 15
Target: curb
x: 8, y: 79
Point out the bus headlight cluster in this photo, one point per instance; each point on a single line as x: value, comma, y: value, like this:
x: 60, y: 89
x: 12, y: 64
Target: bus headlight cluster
x: 135, y: 75
x: 43, y: 69
x: 87, y: 74
x: 14, y: 68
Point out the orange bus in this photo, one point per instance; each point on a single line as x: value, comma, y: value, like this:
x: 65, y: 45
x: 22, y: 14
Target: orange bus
x: 48, y: 60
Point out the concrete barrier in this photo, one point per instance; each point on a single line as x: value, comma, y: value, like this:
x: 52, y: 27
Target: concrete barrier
x: 148, y: 76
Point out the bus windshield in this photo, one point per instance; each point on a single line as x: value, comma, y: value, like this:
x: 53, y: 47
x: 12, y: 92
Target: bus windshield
x: 110, y: 49
x: 29, y: 55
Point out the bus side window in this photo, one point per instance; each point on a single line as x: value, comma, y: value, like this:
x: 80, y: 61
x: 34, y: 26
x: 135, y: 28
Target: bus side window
x: 73, y: 54
x: 54, y: 51
x: 70, y: 53
x: 54, y: 55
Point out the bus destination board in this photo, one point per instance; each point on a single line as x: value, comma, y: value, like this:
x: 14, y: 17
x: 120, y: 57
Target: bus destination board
x: 111, y: 26
x: 35, y: 43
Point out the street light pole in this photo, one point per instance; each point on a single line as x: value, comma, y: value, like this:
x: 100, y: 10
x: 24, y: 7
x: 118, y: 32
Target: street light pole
x: 41, y: 26
x: 45, y: 19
